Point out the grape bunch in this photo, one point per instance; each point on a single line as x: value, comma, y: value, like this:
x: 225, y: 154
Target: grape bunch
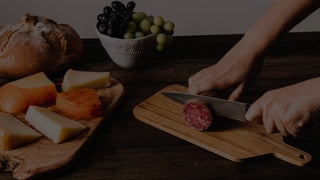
x: 143, y: 25
x: 115, y: 18
x: 121, y: 21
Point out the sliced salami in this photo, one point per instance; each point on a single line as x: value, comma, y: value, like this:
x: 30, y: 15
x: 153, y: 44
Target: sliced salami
x: 197, y: 115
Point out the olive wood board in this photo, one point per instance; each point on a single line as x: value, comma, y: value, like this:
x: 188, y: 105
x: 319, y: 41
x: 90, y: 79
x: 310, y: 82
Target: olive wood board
x: 228, y: 138
x: 42, y: 156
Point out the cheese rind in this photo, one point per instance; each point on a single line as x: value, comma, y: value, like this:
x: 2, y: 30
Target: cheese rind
x: 54, y: 126
x: 74, y: 79
x: 14, y: 133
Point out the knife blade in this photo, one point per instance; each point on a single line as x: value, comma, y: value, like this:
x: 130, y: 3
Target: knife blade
x: 221, y: 107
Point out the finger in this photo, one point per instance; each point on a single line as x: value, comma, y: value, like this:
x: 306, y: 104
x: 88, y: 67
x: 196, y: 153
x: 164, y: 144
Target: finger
x: 299, y: 128
x: 280, y: 127
x: 192, y: 86
x: 292, y: 130
x: 198, y: 83
x: 269, y: 124
x: 235, y: 95
x: 254, y: 113
x: 201, y: 82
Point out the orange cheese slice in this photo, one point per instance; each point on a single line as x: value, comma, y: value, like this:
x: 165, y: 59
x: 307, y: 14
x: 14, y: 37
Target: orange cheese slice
x: 18, y: 95
x: 81, y: 103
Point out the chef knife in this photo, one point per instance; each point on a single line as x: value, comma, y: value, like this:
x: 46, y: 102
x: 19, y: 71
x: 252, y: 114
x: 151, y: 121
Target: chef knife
x: 221, y: 107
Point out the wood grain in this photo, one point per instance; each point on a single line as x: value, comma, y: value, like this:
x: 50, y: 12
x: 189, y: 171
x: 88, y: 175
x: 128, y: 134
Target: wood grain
x: 233, y: 140
x: 43, y: 156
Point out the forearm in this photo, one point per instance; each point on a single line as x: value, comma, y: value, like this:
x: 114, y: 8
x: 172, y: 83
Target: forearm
x: 242, y: 62
x: 277, y: 20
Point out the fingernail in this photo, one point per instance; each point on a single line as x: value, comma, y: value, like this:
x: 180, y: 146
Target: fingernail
x: 248, y: 116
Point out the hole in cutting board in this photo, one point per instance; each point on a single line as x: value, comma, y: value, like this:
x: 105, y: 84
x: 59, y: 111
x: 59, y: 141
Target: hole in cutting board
x: 302, y: 156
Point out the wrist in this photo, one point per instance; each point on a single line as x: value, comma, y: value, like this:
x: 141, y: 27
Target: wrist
x: 257, y: 41
x: 248, y: 49
x: 314, y: 85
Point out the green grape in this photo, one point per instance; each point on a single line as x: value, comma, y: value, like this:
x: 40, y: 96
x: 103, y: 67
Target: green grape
x: 158, y: 20
x: 132, y: 27
x: 145, y: 25
x: 155, y: 29
x: 150, y: 18
x: 128, y: 35
x: 143, y: 15
x: 138, y: 34
x: 160, y: 47
x: 168, y: 26
x: 138, y: 17
x: 161, y: 38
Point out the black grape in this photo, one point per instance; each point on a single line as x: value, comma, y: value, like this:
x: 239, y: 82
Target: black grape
x: 107, y: 10
x: 131, y: 5
x: 104, y: 19
x: 99, y: 17
x: 102, y: 28
x: 118, y: 6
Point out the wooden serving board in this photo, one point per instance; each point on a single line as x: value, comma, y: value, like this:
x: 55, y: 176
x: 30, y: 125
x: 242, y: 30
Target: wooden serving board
x: 43, y: 156
x: 230, y: 139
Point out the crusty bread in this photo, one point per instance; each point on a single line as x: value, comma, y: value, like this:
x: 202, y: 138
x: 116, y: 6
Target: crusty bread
x: 36, y: 44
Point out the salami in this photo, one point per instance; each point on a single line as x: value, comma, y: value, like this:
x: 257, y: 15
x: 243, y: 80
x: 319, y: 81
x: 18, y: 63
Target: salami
x: 197, y: 115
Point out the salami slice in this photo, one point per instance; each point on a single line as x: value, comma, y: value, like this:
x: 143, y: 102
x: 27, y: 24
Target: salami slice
x: 197, y: 115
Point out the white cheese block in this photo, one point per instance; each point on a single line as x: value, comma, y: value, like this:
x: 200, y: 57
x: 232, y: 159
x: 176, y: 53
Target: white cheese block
x: 84, y: 79
x: 33, y: 81
x: 54, y: 126
x: 14, y: 133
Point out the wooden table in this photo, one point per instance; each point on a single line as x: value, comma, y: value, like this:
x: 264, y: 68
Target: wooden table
x: 126, y: 148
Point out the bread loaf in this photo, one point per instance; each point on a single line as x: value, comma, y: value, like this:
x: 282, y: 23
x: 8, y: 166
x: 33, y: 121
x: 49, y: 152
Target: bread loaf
x: 37, y: 44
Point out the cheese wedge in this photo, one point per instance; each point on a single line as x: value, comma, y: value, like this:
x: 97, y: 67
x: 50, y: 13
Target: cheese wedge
x: 18, y: 95
x: 54, y: 126
x: 14, y: 133
x: 81, y: 103
x: 84, y: 79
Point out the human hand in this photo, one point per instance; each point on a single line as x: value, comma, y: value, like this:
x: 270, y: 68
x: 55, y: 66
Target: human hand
x: 235, y: 70
x: 288, y: 110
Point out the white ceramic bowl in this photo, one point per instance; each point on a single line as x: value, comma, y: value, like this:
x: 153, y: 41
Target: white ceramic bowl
x: 128, y: 53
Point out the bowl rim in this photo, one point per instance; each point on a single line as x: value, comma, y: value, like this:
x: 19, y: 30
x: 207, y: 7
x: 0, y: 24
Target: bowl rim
x: 135, y: 39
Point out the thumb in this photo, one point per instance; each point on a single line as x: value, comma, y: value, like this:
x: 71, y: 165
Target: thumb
x: 255, y: 112
x: 235, y: 95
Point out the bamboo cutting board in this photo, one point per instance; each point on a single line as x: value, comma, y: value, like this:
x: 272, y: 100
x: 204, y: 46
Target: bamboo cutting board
x: 230, y: 139
x: 43, y: 156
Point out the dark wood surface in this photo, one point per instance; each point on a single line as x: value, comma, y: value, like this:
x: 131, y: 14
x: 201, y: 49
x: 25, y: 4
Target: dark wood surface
x: 126, y: 148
